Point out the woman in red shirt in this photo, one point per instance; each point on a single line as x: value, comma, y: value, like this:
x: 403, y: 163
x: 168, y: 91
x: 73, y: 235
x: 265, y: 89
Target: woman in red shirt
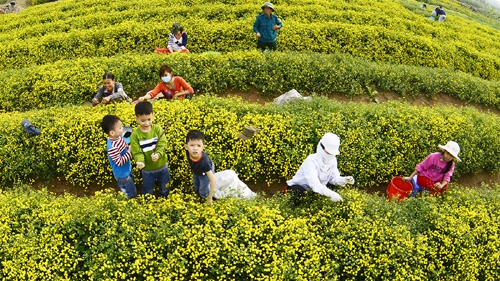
x: 170, y: 87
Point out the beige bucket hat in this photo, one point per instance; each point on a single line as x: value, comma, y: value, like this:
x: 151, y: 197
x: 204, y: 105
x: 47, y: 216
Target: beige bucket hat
x: 248, y: 132
x: 268, y: 5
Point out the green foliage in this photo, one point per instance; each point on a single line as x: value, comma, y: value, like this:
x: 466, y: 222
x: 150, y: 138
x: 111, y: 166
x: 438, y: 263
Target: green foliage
x: 38, y: 2
x: 76, y: 81
x: 378, y: 141
x: 107, y: 237
x: 81, y: 29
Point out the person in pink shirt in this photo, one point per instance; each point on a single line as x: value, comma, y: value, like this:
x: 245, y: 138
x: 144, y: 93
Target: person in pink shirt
x: 434, y: 173
x: 170, y: 87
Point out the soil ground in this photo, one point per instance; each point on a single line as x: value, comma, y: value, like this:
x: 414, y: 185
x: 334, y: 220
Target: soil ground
x: 475, y: 180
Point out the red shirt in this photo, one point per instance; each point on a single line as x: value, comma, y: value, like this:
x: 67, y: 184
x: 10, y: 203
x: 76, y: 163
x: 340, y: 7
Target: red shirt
x: 180, y: 85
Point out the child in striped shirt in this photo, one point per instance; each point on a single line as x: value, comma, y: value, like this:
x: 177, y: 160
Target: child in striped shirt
x: 119, y: 155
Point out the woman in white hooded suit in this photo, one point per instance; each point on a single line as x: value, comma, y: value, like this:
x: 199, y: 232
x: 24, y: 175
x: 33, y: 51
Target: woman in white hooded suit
x: 320, y: 169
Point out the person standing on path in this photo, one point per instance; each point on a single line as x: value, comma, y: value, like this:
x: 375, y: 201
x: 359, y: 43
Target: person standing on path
x: 266, y: 27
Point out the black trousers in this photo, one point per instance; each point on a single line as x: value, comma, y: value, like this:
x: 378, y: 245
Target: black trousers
x: 296, y: 188
x: 262, y: 45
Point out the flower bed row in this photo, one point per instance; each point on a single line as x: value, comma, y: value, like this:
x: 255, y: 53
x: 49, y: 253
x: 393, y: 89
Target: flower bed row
x: 409, y: 39
x: 107, y: 237
x: 76, y: 81
x: 378, y: 141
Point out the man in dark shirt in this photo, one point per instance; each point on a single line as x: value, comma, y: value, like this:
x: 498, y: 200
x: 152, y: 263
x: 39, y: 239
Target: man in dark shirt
x: 440, y: 13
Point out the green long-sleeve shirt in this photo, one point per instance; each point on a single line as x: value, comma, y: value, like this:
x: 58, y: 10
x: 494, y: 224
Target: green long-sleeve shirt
x: 143, y: 144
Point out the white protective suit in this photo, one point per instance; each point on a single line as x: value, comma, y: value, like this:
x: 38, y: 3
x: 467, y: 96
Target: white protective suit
x: 320, y: 168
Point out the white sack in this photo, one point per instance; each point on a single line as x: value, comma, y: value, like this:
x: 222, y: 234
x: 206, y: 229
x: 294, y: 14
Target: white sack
x: 229, y: 185
x: 288, y: 96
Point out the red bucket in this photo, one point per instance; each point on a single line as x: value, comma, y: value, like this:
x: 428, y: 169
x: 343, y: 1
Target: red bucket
x: 398, y: 188
x: 162, y: 51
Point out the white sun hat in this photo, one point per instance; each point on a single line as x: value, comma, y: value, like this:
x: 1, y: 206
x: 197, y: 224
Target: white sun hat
x: 331, y: 143
x: 453, y: 148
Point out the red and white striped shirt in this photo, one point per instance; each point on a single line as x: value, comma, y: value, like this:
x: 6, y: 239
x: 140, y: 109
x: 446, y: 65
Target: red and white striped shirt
x: 118, y: 145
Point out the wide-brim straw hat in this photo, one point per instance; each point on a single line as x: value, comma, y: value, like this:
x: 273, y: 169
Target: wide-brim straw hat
x: 453, y: 148
x: 248, y: 132
x: 268, y: 5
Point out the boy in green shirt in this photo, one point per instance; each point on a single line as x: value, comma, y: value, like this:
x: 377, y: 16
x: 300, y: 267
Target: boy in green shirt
x: 148, y: 150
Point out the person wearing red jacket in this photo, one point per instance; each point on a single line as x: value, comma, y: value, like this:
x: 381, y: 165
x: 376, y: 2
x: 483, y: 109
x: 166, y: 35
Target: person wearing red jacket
x: 170, y: 87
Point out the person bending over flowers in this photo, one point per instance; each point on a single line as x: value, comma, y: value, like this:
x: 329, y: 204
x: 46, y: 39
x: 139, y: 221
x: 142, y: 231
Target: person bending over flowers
x: 434, y: 173
x: 320, y: 169
x: 170, y: 87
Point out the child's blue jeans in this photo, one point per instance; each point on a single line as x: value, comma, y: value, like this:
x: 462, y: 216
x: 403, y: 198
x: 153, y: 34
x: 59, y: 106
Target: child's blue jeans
x: 202, y: 184
x: 149, y: 179
x: 416, y: 188
x: 127, y: 186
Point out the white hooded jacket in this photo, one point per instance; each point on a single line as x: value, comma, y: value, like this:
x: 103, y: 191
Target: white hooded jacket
x: 317, y: 171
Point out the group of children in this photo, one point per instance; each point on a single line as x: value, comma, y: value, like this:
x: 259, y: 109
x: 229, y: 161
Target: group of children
x: 148, y: 148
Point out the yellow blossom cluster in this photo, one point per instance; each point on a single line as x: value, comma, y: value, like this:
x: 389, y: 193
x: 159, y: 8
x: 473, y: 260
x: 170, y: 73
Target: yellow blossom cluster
x: 90, y: 28
x: 378, y: 140
x: 108, y: 237
x: 57, y: 83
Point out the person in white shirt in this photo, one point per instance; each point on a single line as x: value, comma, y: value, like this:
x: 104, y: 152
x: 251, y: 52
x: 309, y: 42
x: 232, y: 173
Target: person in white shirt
x: 320, y: 169
x: 178, y: 39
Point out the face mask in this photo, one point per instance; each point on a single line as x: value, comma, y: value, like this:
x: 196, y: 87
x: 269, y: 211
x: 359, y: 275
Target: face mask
x: 166, y: 79
x: 326, y: 159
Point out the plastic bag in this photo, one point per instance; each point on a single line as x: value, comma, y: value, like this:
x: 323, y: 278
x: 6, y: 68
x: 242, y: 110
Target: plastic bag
x: 289, y: 96
x: 230, y: 186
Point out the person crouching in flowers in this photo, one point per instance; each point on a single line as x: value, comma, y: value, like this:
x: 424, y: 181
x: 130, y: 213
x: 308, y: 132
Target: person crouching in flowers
x: 170, y: 87
x: 320, y: 169
x: 110, y: 91
x: 434, y: 173
x: 177, y: 41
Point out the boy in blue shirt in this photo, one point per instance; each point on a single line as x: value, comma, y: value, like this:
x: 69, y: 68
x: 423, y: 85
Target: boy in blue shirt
x: 119, y: 155
x: 201, y: 165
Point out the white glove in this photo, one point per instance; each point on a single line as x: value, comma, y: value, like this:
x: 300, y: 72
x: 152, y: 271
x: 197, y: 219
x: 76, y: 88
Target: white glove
x: 349, y: 180
x: 336, y: 197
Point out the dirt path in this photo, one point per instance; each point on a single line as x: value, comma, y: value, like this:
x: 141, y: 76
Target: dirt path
x: 440, y: 99
x: 61, y: 187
